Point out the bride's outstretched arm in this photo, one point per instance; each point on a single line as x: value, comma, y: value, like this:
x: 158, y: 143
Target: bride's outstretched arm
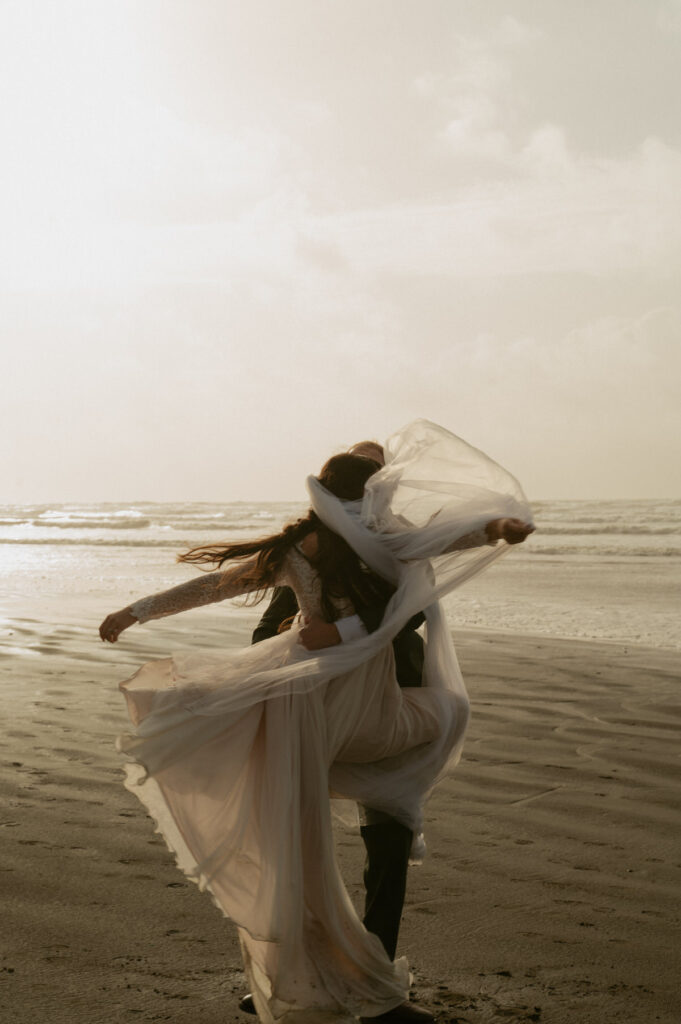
x: 205, y: 589
x: 513, y: 531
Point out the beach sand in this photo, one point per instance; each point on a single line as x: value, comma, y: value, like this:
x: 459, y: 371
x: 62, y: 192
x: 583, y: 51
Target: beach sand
x: 550, y: 891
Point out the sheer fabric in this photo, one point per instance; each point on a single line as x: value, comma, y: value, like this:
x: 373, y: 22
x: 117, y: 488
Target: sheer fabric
x: 235, y: 752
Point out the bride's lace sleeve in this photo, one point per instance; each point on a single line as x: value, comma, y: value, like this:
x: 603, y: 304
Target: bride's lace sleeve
x: 475, y: 539
x: 411, y: 543
x: 206, y: 589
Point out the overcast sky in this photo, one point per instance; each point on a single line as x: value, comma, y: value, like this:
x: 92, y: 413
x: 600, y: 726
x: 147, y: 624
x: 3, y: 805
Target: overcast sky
x: 237, y: 237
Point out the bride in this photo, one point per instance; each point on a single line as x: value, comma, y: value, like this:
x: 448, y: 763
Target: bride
x: 235, y: 754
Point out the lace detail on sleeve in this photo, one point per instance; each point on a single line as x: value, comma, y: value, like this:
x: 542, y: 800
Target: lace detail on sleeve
x: 214, y: 586
x: 476, y: 539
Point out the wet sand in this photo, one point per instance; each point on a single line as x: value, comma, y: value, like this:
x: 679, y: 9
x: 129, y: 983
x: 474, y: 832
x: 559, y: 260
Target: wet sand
x: 550, y: 892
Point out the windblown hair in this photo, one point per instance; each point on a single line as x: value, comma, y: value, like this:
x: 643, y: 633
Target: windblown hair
x: 341, y: 571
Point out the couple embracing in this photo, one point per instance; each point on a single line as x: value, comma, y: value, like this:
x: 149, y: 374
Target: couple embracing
x: 238, y: 754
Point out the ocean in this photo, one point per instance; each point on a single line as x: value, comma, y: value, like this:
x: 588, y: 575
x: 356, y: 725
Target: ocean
x: 607, y: 570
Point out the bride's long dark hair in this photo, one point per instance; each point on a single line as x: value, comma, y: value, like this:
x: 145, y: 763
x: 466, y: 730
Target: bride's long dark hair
x: 341, y: 571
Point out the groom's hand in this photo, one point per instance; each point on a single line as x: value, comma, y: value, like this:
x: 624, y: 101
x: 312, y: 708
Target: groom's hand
x: 315, y: 634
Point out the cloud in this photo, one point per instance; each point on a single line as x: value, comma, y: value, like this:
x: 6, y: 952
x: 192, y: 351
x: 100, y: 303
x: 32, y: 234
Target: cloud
x: 560, y: 212
x: 594, y: 411
x: 475, y: 133
x: 105, y: 186
x: 522, y: 197
x: 291, y: 249
x: 474, y: 96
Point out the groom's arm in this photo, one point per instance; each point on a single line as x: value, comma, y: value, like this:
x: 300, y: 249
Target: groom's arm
x: 282, y: 606
x: 317, y: 634
x: 407, y: 645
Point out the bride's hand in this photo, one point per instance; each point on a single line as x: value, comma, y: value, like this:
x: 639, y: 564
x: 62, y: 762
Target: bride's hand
x: 513, y: 531
x: 114, y: 624
x: 316, y: 634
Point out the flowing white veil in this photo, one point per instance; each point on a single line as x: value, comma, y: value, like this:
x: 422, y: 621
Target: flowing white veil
x: 433, y: 491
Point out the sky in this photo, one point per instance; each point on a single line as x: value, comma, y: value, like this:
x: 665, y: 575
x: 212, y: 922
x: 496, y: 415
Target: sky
x: 237, y: 238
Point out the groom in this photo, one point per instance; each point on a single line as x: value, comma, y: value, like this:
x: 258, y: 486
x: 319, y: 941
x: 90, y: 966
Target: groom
x: 387, y: 842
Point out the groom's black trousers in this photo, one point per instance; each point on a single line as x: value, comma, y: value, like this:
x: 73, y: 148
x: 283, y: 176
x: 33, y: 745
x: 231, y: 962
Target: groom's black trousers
x: 387, y: 842
x: 385, y: 879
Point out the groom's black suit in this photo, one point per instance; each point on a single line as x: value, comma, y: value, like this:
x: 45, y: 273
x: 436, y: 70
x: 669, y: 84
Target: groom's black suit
x: 387, y: 842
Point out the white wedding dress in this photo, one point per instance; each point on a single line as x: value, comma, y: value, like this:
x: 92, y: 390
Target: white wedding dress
x: 236, y: 753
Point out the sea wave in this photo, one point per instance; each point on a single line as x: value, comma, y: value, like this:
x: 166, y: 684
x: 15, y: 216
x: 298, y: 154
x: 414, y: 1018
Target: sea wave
x: 215, y: 521
x: 223, y: 525
x: 605, y: 552
x: 619, y: 529
x: 103, y: 542
x: 91, y: 524
x: 179, y: 542
x: 255, y: 522
x: 139, y: 524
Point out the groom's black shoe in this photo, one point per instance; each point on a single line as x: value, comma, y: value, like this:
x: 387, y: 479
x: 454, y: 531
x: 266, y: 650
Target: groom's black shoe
x: 246, y: 1005
x: 405, y: 1013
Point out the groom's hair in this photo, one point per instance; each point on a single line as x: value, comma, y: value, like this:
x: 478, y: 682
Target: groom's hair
x: 370, y: 450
